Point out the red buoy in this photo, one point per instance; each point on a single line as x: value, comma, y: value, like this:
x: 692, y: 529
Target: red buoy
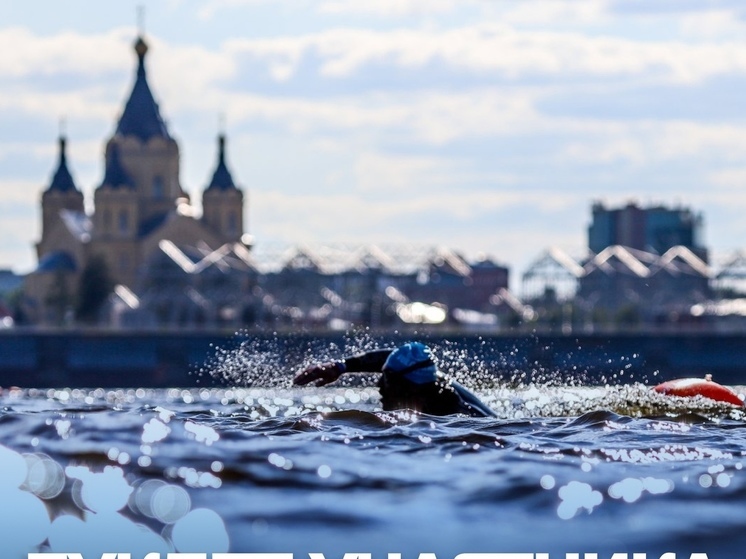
x: 689, y: 387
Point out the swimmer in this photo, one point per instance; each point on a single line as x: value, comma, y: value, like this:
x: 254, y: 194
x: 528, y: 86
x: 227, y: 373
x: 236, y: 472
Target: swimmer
x: 409, y: 380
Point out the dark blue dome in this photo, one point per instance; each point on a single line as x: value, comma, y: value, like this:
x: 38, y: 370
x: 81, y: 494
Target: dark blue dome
x: 57, y: 261
x: 115, y: 175
x: 141, y: 117
x: 62, y: 181
x: 221, y: 178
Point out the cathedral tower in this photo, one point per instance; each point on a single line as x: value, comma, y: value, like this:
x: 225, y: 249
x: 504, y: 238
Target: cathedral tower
x: 222, y: 201
x: 61, y: 200
x: 141, y: 182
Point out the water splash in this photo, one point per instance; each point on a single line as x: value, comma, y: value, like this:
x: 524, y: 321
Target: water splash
x: 272, y: 362
x: 514, y: 387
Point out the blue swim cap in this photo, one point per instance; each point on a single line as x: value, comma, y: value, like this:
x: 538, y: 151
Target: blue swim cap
x: 414, y: 361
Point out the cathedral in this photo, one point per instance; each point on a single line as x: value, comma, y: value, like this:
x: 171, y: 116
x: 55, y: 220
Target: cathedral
x: 139, y: 205
x: 141, y: 257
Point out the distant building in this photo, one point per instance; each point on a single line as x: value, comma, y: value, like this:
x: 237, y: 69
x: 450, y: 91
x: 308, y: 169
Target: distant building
x: 653, y: 229
x: 138, y: 204
x: 643, y: 266
x: 315, y: 287
x: 450, y: 279
x: 655, y: 287
x: 10, y: 283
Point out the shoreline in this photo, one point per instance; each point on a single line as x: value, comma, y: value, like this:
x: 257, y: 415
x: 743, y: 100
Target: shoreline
x: 159, y: 359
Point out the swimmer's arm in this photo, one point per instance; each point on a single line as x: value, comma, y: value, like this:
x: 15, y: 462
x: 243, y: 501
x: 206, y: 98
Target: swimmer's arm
x: 370, y: 362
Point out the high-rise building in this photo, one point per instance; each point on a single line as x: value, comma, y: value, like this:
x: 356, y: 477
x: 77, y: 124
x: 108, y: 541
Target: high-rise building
x: 653, y: 229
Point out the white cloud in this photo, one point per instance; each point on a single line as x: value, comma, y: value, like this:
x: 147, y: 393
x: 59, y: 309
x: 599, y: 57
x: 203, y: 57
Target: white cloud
x: 183, y: 72
x: 359, y: 217
x: 377, y: 8
x: 646, y: 142
x: 712, y: 25
x: 87, y: 103
x: 474, y: 87
x: 523, y: 12
x: 392, y: 174
x: 187, y: 80
x: 192, y: 77
x: 20, y: 193
x: 391, y: 8
x: 176, y: 71
x: 68, y: 52
x: 730, y: 179
x: 401, y: 177
x: 495, y: 49
x: 536, y: 13
x: 430, y: 117
x: 20, y: 199
x: 11, y: 149
x: 436, y: 119
x: 211, y: 7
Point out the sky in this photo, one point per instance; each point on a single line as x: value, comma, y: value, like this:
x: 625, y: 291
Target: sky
x: 485, y: 126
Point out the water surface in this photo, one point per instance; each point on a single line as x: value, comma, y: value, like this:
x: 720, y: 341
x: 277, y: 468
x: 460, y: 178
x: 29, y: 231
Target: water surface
x: 259, y: 466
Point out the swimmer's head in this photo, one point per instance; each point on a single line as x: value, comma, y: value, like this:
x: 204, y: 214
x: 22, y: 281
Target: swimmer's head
x: 413, y: 361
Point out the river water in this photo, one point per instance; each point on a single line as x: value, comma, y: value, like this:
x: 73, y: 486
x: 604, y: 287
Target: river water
x: 259, y: 466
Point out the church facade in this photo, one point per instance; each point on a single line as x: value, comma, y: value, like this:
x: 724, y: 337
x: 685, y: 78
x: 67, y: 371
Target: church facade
x: 138, y: 205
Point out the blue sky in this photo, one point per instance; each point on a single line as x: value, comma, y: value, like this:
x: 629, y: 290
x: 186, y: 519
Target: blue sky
x: 487, y: 126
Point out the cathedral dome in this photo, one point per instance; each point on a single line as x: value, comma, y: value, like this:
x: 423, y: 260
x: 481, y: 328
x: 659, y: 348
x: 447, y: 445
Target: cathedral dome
x: 141, y: 117
x: 62, y: 180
